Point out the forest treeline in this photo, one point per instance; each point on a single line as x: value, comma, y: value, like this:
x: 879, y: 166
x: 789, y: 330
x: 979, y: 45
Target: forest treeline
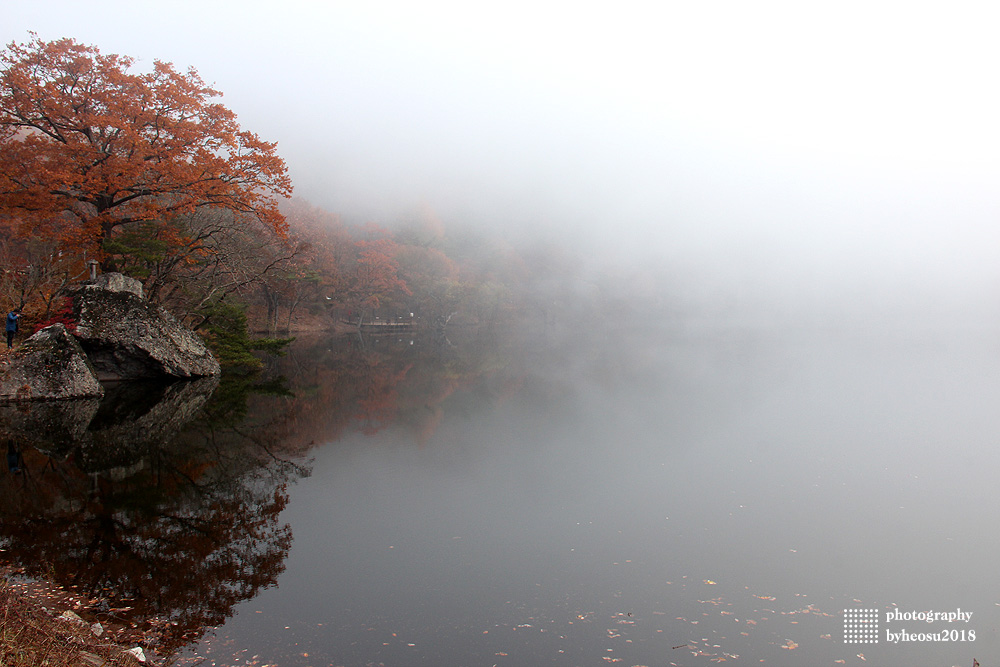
x: 216, y: 272
x: 147, y: 174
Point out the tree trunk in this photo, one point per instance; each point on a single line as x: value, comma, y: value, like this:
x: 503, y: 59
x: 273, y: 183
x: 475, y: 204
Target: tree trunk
x: 272, y: 299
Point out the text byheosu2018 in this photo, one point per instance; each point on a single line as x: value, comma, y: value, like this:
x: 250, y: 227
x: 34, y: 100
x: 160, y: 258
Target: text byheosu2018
x: 939, y: 636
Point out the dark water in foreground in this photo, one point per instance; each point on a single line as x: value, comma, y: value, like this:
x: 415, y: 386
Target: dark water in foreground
x: 665, y: 500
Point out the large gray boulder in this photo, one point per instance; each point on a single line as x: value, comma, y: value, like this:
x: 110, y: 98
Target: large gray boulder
x: 49, y: 365
x: 128, y: 338
x: 117, y: 282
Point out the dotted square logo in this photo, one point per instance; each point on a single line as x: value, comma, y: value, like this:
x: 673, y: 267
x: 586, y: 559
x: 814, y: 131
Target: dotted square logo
x: 861, y: 626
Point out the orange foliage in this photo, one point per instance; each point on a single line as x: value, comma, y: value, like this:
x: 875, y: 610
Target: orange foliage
x: 85, y: 140
x: 377, y: 272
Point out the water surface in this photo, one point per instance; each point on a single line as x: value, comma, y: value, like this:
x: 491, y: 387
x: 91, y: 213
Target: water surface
x: 648, y: 498
x: 654, y: 501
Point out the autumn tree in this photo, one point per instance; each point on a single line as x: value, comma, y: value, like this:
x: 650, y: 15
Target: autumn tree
x: 220, y: 257
x: 322, y: 273
x: 85, y: 140
x: 35, y: 270
x: 433, y: 279
x: 374, y: 278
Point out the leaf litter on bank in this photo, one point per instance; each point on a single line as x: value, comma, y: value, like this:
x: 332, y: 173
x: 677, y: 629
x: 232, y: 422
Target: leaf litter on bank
x: 31, y: 634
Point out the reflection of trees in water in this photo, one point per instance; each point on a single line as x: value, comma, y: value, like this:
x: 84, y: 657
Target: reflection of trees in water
x: 178, y: 529
x: 371, y: 382
x: 168, y: 502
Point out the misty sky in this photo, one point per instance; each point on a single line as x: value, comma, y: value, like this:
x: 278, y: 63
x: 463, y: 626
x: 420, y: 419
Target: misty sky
x: 847, y: 144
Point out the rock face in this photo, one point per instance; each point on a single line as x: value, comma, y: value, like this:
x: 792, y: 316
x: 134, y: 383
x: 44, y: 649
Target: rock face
x: 48, y: 365
x: 129, y: 338
x: 116, y: 282
x: 118, y: 336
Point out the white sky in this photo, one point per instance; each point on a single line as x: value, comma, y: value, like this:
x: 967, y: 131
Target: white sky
x: 776, y: 142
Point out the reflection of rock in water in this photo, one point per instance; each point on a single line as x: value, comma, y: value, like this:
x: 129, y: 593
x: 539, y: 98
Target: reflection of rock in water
x: 114, y: 432
x: 51, y: 426
x: 135, y: 417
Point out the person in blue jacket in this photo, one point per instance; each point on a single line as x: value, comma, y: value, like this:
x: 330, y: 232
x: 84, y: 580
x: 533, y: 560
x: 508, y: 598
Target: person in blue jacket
x: 12, y: 326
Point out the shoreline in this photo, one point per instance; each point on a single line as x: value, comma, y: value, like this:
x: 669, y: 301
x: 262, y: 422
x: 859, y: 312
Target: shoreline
x: 44, y: 623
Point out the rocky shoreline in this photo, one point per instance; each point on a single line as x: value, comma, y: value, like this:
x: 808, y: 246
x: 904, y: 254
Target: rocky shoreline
x: 113, y: 334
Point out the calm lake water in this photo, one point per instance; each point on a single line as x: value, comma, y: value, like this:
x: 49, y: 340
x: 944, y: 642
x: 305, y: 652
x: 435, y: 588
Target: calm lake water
x: 642, y: 499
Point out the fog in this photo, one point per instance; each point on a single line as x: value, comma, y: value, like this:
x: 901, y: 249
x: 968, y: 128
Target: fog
x: 782, y: 179
x: 777, y: 159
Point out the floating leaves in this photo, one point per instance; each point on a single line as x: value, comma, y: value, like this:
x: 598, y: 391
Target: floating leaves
x: 691, y: 629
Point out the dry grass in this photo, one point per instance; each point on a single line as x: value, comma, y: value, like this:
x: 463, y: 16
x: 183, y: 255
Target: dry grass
x: 31, y: 636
